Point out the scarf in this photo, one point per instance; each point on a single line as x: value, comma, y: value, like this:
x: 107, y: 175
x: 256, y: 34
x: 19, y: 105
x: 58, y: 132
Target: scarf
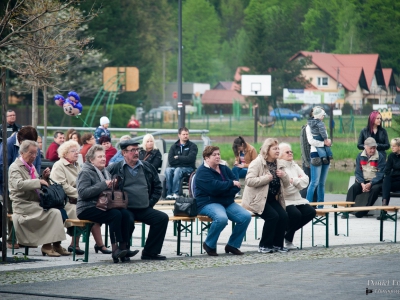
x: 103, y: 175
x: 31, y: 171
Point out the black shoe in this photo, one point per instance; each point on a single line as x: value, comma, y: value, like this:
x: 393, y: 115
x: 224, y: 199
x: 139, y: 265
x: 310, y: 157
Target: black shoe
x: 100, y: 248
x: 281, y: 249
x: 210, y: 251
x: 148, y: 256
x: 76, y: 250
x: 233, y: 250
x: 131, y: 253
x: 118, y: 254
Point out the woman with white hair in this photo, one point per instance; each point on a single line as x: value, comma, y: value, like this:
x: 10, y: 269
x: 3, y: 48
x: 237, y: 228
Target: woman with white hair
x: 33, y: 226
x: 65, y: 172
x: 149, y: 151
x: 297, y: 208
x: 263, y: 195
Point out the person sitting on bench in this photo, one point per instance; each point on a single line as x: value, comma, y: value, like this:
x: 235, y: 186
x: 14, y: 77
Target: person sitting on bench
x: 370, y: 165
x: 182, y: 160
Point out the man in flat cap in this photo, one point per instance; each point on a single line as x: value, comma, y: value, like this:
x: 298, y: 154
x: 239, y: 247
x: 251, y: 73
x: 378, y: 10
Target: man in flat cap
x: 140, y: 180
x: 370, y: 165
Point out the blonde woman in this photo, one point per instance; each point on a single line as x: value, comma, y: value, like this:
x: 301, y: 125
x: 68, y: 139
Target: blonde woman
x: 149, y: 151
x: 263, y: 195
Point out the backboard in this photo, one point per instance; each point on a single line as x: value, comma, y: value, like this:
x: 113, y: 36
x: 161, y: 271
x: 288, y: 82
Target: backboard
x: 256, y: 85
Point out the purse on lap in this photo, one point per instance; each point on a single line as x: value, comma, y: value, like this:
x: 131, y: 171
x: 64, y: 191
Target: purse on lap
x: 185, y: 207
x: 112, y: 198
x: 52, y: 196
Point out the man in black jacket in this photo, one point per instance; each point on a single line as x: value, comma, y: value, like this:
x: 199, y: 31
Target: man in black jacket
x: 140, y: 180
x: 11, y: 125
x: 182, y: 160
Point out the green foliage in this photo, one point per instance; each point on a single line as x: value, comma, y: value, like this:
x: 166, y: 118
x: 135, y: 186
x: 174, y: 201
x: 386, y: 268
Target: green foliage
x: 367, y: 109
x: 347, y: 108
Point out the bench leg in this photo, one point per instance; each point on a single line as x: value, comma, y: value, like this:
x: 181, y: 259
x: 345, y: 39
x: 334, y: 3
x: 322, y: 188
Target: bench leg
x: 301, y: 238
x: 393, y: 217
x: 323, y: 220
x: 180, y: 228
x: 106, y: 236
x: 143, y: 234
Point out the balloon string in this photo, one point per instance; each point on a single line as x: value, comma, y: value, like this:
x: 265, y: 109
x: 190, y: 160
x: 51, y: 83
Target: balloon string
x: 84, y: 123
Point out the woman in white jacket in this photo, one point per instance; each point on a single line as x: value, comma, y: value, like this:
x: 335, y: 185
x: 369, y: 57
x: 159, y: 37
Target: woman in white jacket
x: 298, y: 210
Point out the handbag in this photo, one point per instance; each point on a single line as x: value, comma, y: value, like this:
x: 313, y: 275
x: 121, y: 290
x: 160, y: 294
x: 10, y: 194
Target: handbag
x: 185, y: 207
x: 52, y: 196
x: 112, y: 198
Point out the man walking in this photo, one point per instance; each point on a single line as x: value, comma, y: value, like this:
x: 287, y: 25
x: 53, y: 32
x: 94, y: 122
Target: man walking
x: 139, y: 179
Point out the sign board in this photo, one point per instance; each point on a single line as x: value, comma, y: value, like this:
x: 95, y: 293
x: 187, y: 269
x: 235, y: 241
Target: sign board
x: 311, y: 96
x: 175, y: 95
x: 256, y: 85
x: 125, y: 77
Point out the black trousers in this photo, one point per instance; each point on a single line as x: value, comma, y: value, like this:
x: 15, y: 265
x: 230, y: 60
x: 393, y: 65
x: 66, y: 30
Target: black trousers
x: 158, y: 222
x: 299, y: 215
x: 356, y: 190
x: 117, y: 220
x: 390, y: 184
x: 275, y: 224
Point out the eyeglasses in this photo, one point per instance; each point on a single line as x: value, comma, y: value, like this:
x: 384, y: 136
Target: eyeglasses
x: 132, y: 150
x: 74, y: 151
x: 289, y: 152
x: 33, y: 153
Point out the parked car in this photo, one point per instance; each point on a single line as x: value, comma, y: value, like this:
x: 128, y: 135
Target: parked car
x: 156, y: 113
x: 305, y: 111
x: 285, y: 113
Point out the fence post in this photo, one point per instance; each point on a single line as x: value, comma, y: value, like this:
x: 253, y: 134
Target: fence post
x: 208, y: 122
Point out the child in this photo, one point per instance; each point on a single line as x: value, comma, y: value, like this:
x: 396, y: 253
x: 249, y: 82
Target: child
x: 318, y: 130
x: 102, y: 129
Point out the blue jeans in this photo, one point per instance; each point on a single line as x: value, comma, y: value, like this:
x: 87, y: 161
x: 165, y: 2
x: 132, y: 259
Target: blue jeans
x: 318, y: 178
x: 239, y: 172
x: 220, y: 215
x: 173, y: 177
x: 323, y: 151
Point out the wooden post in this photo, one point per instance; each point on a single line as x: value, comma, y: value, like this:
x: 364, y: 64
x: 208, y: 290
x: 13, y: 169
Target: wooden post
x: 5, y: 165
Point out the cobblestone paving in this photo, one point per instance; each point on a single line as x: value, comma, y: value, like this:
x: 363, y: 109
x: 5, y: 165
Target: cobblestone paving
x: 184, y: 263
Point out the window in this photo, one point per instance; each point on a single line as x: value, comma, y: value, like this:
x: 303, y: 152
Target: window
x: 322, y: 81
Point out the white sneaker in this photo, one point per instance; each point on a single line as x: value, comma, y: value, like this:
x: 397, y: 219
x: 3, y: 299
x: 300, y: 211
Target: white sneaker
x: 169, y: 197
x: 290, y: 246
x: 175, y: 196
x: 265, y: 250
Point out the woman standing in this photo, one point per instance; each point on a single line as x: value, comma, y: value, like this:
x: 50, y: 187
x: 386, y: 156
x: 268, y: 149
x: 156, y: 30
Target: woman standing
x: 244, y: 155
x: 33, y: 226
x: 318, y: 169
x: 149, y: 152
x: 263, y: 195
x: 375, y: 130
x: 92, y: 180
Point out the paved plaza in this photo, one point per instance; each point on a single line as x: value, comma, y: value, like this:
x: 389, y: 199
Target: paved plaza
x: 343, y: 271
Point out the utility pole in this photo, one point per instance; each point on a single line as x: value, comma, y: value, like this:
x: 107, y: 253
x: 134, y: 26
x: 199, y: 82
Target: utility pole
x: 181, y: 107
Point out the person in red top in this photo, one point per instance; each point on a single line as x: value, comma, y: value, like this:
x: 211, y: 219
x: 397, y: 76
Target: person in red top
x: 105, y: 141
x: 133, y: 122
x: 88, y: 140
x: 51, y: 153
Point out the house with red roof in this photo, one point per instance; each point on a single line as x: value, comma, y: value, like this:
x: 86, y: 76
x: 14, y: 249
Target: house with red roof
x: 360, y: 75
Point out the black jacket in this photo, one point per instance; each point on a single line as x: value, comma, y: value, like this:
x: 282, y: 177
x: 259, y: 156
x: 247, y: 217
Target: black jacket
x: 10, y: 129
x: 393, y: 165
x: 186, y: 156
x: 154, y: 158
x: 381, y: 139
x: 153, y: 182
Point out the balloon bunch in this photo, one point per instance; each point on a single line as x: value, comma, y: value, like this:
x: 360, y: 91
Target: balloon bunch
x: 71, y: 105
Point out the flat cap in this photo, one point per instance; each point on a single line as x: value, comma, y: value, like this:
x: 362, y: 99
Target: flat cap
x: 124, y: 144
x: 370, y: 142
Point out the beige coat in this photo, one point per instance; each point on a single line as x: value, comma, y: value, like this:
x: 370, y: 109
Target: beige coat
x: 65, y: 173
x: 33, y: 226
x: 249, y: 155
x: 257, y: 185
x: 291, y: 194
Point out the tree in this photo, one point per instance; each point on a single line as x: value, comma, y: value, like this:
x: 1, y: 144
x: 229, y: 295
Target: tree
x: 275, y: 34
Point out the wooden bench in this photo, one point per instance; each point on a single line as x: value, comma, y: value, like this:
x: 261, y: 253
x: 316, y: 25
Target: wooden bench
x: 81, y: 227
x: 322, y: 218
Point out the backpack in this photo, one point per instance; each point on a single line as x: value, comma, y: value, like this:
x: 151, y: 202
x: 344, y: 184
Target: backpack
x: 305, y: 147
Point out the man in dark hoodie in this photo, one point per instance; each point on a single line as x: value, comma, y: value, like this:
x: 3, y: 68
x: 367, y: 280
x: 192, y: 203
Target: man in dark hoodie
x: 182, y: 160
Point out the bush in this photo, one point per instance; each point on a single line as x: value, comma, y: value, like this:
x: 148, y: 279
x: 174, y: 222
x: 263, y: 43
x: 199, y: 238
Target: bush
x: 367, y: 109
x: 347, y: 108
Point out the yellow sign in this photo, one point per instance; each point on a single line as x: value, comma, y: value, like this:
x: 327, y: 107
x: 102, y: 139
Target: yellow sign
x: 125, y: 77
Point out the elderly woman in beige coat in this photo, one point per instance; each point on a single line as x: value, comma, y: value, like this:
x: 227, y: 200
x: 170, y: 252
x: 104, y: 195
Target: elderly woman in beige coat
x: 263, y: 195
x: 65, y: 172
x: 298, y: 209
x: 33, y: 226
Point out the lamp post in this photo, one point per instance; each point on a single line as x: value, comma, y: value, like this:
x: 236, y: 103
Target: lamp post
x: 181, y: 107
